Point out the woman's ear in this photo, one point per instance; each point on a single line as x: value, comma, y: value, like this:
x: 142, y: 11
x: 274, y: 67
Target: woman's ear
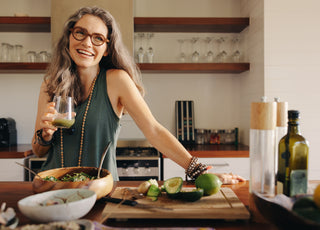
x: 105, y: 53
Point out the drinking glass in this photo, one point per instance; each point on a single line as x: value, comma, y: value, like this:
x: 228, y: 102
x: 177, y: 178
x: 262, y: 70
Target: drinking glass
x: 236, y: 50
x: 65, y: 116
x: 141, y: 50
x: 150, y: 52
x: 182, y: 55
x: 209, y: 54
x: 195, y: 55
x: 222, y: 53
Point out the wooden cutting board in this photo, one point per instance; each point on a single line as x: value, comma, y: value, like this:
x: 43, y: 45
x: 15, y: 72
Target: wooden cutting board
x: 223, y: 205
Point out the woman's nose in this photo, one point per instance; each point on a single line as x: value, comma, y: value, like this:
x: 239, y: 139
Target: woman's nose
x: 87, y: 41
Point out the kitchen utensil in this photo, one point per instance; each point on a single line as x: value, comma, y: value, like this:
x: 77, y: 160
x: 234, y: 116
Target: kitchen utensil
x: 30, y: 170
x: 135, y: 204
x: 102, y: 158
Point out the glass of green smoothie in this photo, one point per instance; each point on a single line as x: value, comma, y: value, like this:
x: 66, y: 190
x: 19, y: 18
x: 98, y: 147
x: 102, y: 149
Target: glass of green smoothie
x: 65, y: 115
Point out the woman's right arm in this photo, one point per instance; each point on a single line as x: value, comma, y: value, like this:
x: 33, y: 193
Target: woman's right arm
x: 44, y: 120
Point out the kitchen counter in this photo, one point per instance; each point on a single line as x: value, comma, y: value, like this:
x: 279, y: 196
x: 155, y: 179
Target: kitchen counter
x: 12, y: 192
x: 14, y: 151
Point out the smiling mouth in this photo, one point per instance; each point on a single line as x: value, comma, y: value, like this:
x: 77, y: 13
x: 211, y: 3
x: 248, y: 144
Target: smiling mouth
x: 85, y: 53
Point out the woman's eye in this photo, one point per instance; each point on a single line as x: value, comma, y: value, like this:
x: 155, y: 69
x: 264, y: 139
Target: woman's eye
x: 99, y: 38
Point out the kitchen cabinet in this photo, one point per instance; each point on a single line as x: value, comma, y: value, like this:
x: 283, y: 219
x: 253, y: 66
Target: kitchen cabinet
x: 141, y: 24
x: 189, y: 25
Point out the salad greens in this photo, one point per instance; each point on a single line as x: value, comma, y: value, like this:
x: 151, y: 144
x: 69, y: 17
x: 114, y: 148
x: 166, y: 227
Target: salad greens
x: 71, y: 178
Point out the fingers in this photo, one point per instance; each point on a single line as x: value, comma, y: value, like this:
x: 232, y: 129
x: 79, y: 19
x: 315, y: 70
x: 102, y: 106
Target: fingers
x: 230, y: 178
x: 46, y: 122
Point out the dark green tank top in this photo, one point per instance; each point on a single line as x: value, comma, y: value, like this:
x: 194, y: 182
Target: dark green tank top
x: 102, y: 125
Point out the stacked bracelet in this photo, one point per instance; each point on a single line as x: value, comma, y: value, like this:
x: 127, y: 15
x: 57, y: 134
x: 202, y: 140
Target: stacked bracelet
x: 39, y: 139
x: 195, y: 168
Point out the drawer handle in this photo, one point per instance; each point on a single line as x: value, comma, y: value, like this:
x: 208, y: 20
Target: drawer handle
x: 219, y: 165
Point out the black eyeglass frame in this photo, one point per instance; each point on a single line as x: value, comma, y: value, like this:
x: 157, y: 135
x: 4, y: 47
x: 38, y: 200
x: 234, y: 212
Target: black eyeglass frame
x: 86, y: 34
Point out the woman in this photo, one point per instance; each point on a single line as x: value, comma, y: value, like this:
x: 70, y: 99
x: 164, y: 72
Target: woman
x: 91, y: 64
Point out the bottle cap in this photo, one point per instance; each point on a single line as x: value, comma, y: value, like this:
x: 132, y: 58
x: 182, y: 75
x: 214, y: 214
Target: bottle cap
x: 293, y: 114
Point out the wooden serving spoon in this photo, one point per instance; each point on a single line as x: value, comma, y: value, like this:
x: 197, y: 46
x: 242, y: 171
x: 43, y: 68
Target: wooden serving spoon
x: 29, y: 169
x: 102, y: 158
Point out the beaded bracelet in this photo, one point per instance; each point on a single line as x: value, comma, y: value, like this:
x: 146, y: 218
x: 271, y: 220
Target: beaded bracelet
x: 195, y: 168
x: 39, y: 139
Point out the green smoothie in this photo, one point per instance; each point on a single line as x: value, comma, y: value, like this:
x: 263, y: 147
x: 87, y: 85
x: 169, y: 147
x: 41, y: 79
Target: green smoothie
x: 63, y: 123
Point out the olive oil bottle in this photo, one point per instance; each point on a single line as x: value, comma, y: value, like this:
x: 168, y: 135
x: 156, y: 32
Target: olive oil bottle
x: 292, y: 174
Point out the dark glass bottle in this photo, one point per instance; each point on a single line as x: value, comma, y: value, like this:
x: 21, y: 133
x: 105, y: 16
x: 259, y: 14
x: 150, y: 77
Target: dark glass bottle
x: 292, y: 175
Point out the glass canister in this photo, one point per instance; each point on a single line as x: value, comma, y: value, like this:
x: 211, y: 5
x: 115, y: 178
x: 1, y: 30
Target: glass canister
x: 200, y: 136
x: 262, y: 148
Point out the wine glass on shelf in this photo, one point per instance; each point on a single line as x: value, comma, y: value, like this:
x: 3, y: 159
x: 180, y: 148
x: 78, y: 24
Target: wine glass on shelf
x: 65, y: 115
x: 150, y: 52
x: 209, y: 53
x: 236, y: 50
x: 222, y: 53
x: 141, y: 50
x: 182, y: 55
x: 195, y: 55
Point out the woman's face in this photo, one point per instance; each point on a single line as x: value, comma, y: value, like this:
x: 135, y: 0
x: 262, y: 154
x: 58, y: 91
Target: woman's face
x: 84, y: 53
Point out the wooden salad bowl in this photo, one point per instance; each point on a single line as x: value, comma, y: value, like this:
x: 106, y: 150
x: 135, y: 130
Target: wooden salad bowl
x: 102, y: 186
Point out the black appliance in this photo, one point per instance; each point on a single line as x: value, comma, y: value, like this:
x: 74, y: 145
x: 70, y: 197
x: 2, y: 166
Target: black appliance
x: 8, y: 132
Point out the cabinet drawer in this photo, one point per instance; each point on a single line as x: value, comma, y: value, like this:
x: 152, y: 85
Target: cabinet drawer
x: 240, y: 166
x: 10, y: 171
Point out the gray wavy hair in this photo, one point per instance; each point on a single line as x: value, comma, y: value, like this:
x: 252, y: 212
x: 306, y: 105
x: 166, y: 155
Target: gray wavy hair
x: 62, y: 77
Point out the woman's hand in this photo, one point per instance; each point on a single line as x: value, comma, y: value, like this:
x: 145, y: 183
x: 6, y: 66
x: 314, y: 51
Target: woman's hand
x: 46, y: 122
x: 229, y: 178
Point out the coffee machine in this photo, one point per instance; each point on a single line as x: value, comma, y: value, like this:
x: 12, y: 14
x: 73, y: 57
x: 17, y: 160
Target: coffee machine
x: 8, y: 132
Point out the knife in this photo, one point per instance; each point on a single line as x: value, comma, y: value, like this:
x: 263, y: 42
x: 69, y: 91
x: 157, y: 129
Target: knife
x: 134, y: 204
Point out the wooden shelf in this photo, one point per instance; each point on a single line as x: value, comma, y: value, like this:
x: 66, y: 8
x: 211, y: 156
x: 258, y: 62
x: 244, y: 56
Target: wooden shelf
x: 194, y: 67
x: 25, y: 24
x: 16, y: 67
x: 216, y: 25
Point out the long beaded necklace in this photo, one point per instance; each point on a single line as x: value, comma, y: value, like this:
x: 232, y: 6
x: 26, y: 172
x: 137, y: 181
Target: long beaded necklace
x: 82, y: 127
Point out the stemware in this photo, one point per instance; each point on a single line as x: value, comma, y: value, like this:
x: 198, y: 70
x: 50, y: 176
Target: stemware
x: 150, y: 52
x: 222, y: 53
x: 209, y: 55
x: 195, y: 55
x: 182, y: 55
x: 141, y: 50
x: 236, y: 50
x: 65, y: 116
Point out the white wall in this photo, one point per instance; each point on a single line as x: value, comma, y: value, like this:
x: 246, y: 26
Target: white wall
x: 292, y: 60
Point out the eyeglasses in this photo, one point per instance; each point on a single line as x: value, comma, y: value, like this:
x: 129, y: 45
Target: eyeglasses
x: 80, y: 34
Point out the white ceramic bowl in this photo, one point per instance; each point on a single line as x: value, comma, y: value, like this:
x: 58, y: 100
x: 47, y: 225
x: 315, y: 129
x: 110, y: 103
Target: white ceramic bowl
x: 72, y: 204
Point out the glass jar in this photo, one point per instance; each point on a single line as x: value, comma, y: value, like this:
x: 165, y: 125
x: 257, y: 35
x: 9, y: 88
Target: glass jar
x: 229, y: 136
x: 200, y: 136
x: 214, y: 136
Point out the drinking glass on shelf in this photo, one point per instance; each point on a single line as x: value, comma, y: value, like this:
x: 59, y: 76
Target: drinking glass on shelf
x: 182, y: 55
x: 209, y: 55
x: 150, y: 52
x: 65, y: 116
x: 4, y: 52
x: 18, y: 53
x: 235, y: 48
x: 222, y: 53
x: 141, y: 50
x: 195, y: 55
x: 31, y: 56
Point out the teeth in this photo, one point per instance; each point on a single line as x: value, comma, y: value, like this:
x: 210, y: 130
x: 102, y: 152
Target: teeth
x: 85, y: 52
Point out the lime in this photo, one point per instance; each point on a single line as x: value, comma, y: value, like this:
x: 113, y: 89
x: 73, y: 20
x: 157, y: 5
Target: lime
x: 173, y: 185
x: 210, y: 183
x: 316, y: 196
